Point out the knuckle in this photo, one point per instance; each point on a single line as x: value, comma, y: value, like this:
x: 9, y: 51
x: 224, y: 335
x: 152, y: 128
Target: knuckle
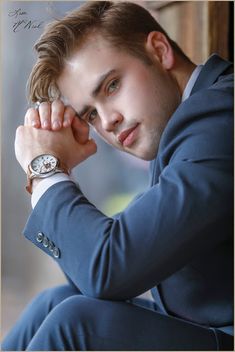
x: 58, y: 103
x: 44, y: 110
x: 57, y: 108
x: 31, y: 113
x: 44, y: 105
x: 19, y: 131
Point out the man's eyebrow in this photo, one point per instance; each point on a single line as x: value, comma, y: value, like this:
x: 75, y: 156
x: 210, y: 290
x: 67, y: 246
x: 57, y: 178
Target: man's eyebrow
x: 96, y: 90
x: 100, y: 82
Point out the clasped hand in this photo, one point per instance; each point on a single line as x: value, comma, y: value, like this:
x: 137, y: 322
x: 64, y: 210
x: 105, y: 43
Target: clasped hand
x: 55, y: 129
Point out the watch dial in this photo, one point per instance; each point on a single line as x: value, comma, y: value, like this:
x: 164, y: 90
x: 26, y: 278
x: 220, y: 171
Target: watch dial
x: 44, y: 163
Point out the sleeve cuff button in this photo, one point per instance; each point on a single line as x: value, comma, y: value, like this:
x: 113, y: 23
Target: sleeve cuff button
x: 56, y: 252
x: 45, y: 242
x: 39, y: 237
x: 51, y: 246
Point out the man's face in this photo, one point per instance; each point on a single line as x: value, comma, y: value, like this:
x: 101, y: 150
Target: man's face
x: 126, y: 101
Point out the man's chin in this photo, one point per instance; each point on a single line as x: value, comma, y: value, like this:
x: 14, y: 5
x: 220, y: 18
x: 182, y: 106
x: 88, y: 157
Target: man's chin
x: 146, y: 155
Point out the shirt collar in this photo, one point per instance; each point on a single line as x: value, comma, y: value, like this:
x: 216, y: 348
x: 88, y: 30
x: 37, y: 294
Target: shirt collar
x: 191, y: 82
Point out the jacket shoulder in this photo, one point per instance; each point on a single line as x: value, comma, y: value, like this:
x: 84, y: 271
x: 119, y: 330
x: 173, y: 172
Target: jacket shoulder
x: 202, y: 126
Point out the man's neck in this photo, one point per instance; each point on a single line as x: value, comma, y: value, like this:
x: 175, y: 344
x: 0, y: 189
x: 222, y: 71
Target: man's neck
x: 182, y: 71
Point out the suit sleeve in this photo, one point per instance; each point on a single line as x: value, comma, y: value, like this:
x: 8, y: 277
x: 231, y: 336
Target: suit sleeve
x: 187, y: 211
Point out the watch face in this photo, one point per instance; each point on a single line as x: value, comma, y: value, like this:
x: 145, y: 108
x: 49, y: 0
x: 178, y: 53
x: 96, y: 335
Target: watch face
x: 44, y: 164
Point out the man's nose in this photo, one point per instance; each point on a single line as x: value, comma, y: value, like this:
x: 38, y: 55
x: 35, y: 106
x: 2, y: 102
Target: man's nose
x: 110, y: 120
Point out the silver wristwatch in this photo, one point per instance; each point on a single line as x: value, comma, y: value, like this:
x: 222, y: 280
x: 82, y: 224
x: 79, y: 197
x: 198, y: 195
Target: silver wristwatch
x: 44, y: 165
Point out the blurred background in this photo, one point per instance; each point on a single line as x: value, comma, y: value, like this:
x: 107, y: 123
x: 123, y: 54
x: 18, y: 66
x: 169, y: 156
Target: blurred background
x: 109, y: 179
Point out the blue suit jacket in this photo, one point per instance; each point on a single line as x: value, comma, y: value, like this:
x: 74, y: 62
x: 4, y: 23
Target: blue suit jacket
x: 177, y: 237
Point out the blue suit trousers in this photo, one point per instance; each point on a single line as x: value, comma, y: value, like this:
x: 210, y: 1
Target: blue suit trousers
x: 62, y: 319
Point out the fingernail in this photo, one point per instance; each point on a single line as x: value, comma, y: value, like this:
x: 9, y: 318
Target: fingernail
x: 34, y: 123
x: 56, y: 124
x: 45, y: 124
x: 67, y: 119
x: 66, y: 123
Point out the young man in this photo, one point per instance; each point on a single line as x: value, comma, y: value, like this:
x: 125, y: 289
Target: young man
x: 110, y: 65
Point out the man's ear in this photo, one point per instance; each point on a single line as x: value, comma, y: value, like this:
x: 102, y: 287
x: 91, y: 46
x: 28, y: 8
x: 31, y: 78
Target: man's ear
x: 159, y: 48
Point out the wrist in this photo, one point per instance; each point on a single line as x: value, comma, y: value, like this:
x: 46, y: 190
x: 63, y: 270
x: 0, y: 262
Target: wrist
x: 41, y: 167
x: 35, y: 182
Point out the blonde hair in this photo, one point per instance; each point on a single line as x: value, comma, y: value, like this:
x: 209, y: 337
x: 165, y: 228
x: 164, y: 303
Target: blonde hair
x: 125, y: 25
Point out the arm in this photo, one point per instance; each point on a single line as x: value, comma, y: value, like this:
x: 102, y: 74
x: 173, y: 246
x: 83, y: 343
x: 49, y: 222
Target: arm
x: 187, y: 211
x: 153, y: 238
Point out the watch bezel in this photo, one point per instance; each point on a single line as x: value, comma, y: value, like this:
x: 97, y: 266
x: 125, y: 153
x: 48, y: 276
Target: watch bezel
x: 35, y: 173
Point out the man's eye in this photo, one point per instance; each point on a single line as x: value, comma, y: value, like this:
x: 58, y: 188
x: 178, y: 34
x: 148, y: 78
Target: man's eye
x: 92, y: 115
x: 114, y: 85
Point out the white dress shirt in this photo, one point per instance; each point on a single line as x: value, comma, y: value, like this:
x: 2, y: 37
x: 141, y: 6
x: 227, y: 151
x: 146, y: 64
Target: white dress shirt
x: 43, y: 186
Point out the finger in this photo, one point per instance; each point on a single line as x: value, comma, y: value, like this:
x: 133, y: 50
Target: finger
x: 69, y: 115
x: 45, y: 115
x: 19, y: 138
x: 80, y: 130
x: 91, y: 147
x: 32, y: 118
x: 57, y: 114
x: 87, y: 150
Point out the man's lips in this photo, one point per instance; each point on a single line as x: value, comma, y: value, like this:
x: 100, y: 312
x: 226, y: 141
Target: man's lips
x: 127, y: 137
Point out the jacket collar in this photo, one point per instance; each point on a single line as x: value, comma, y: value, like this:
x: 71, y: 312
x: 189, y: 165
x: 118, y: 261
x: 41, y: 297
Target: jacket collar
x: 212, y: 69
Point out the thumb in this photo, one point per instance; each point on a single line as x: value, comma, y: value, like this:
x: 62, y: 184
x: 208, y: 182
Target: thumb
x: 80, y: 130
x: 91, y: 146
x: 86, y: 150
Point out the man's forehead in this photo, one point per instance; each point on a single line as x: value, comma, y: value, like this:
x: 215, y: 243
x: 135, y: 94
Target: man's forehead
x: 90, y: 62
x: 92, y: 43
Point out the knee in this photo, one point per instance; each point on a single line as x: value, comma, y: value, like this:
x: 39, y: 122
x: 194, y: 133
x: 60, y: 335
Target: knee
x: 73, y: 311
x: 75, y: 305
x: 71, y: 325
x: 51, y: 297
x: 64, y: 327
x: 83, y: 312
